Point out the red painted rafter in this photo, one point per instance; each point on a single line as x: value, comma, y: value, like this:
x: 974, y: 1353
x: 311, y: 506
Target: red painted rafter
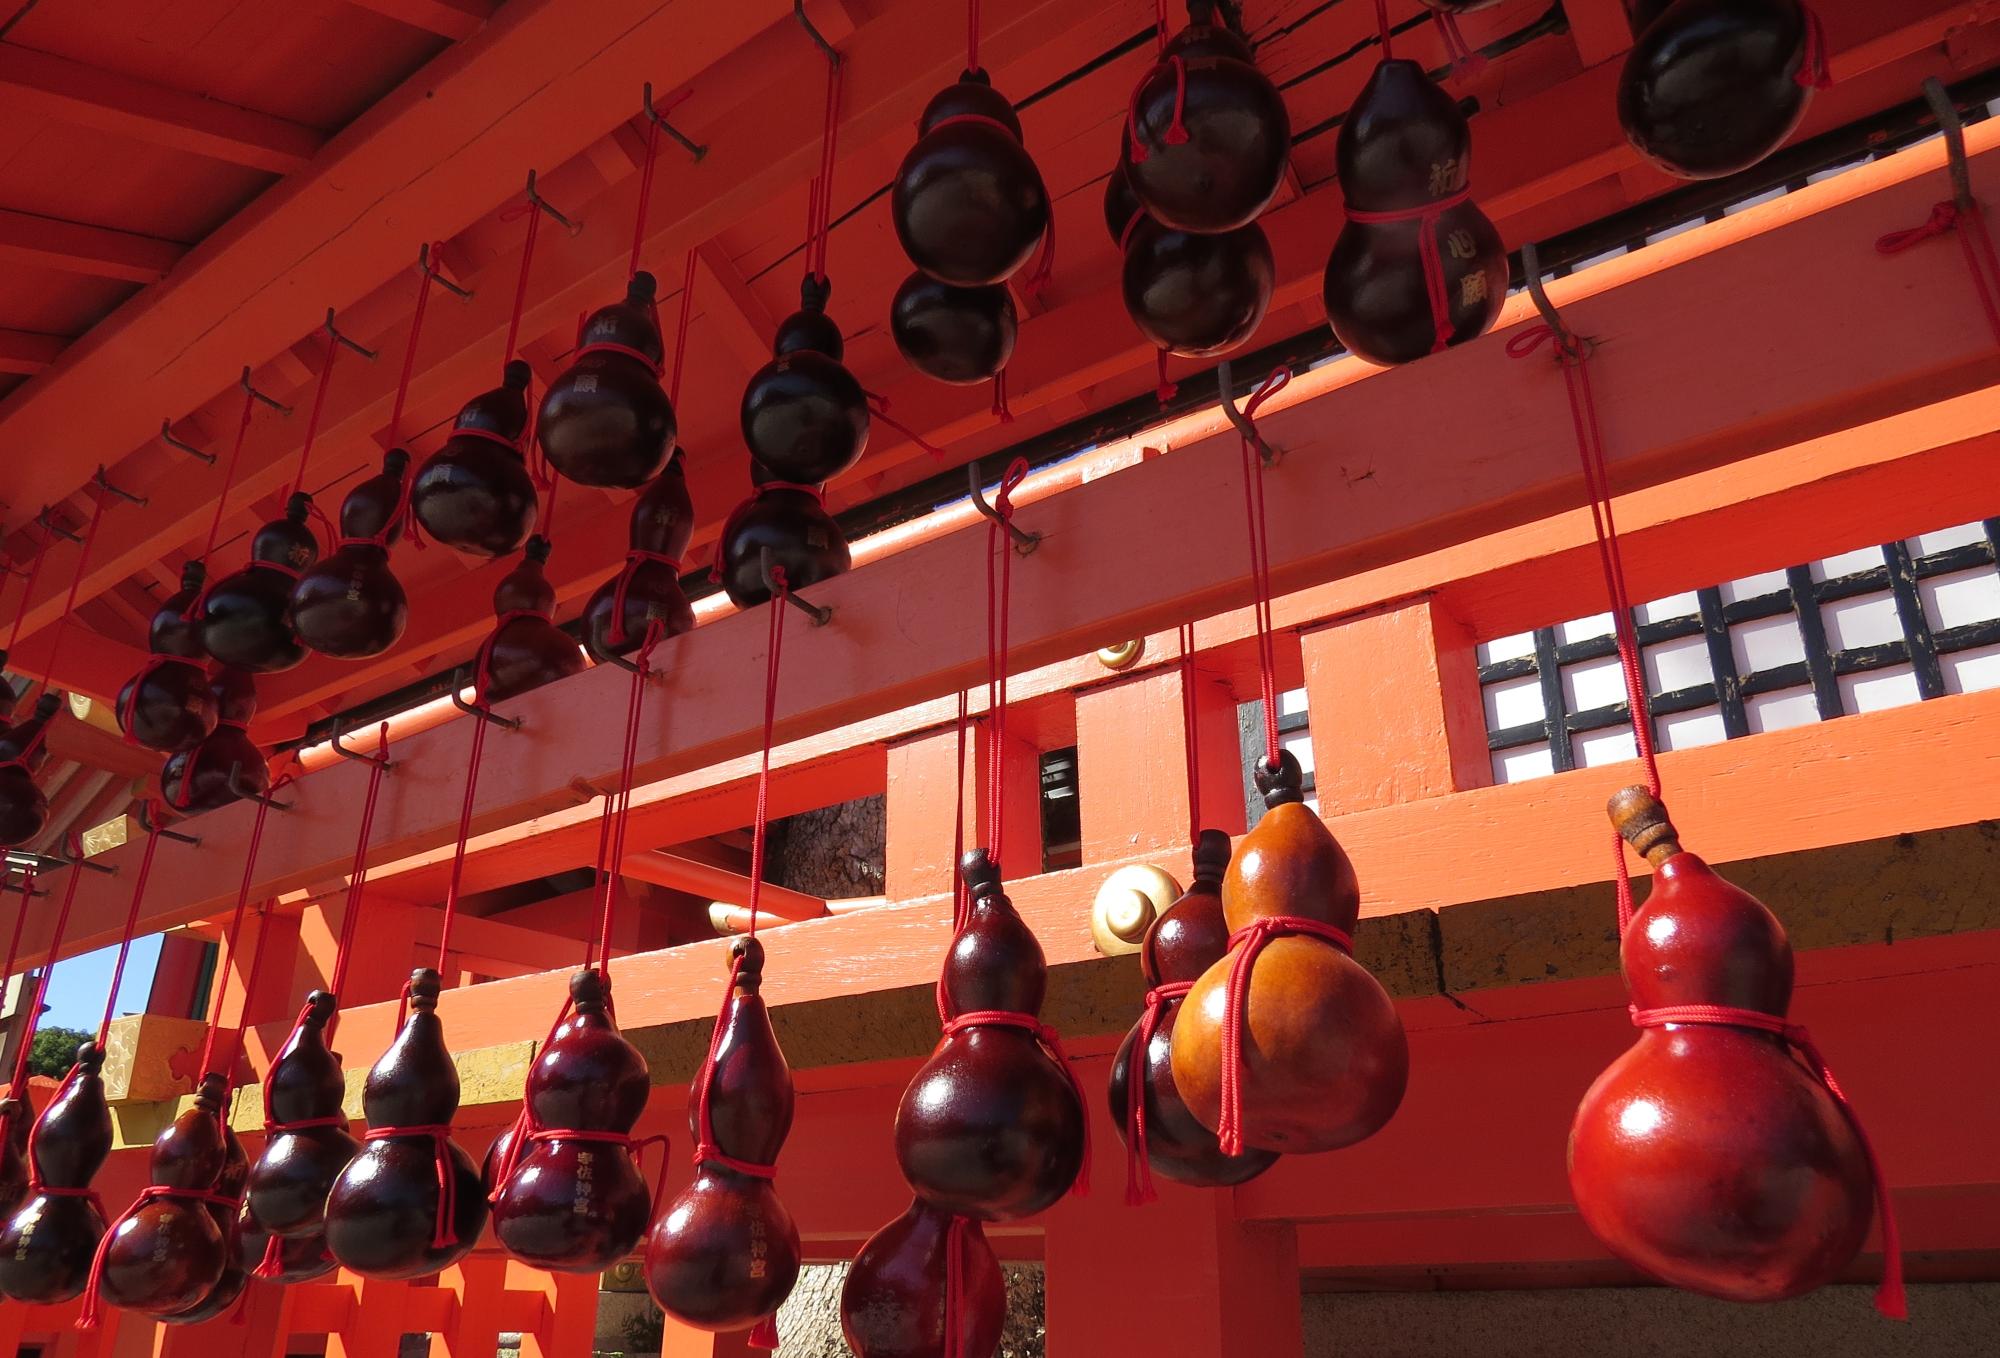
x: 23, y: 351
x: 30, y: 241
x: 454, y: 19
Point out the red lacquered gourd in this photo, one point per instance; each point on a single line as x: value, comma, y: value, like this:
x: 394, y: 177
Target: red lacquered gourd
x: 955, y: 334
x: 991, y: 1126
x: 725, y: 1253
x: 167, y: 706
x: 300, y: 1258
x: 1209, y: 136
x: 385, y: 1217
x: 804, y: 416
x: 1324, y: 1057
x: 606, y: 421
x: 24, y: 808
x: 1193, y: 294
x: 893, y: 1301
x: 167, y: 1252
x: 1708, y: 1155
x: 47, y: 1244
x: 968, y: 204
x: 246, y: 617
x: 1187, y: 938
x: 304, y: 1152
x: 525, y: 650
x: 223, y: 1205
x: 1711, y: 87
x: 575, y: 1202
x: 647, y: 591
x: 791, y: 523
x: 475, y: 493
x: 198, y: 780
x: 349, y: 604
x: 16, y: 1116
x: 1405, y: 154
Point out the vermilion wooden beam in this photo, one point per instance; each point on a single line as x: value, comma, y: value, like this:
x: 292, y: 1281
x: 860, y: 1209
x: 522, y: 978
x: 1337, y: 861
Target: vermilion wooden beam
x: 452, y: 19
x: 38, y: 82
x: 24, y: 351
x: 72, y: 247
x: 746, y: 325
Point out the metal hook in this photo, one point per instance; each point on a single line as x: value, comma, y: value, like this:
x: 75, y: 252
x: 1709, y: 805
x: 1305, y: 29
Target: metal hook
x: 1569, y: 344
x: 535, y: 197
x: 479, y: 710
x: 251, y: 794
x: 79, y: 861
x: 688, y: 144
x: 1225, y: 376
x: 21, y: 886
x: 819, y: 614
x: 167, y: 437
x: 819, y: 39
x: 339, y: 730
x: 104, y: 484
x: 145, y: 818
x: 257, y: 395
x: 1953, y: 128
x: 1024, y: 541
x: 333, y: 332
x: 430, y: 271
x: 49, y: 525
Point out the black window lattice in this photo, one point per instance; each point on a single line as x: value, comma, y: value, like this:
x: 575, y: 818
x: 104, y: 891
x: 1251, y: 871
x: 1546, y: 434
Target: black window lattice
x: 1920, y: 647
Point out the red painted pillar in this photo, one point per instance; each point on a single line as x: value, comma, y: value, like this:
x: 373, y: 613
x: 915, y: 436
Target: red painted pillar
x: 1131, y: 762
x: 918, y: 811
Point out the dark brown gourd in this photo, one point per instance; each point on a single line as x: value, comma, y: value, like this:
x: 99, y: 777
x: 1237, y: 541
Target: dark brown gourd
x: 647, y: 591
x: 791, y: 523
x: 804, y: 416
x: 893, y: 1302
x: 47, y: 1244
x: 475, y: 493
x: 16, y: 1116
x: 960, y: 335
x: 1711, y: 87
x: 288, y: 1185
x: 198, y: 780
x: 222, y: 1207
x: 968, y: 204
x: 349, y: 604
x: 167, y: 705
x: 525, y: 649
x: 246, y: 616
x: 24, y: 808
x: 168, y: 1252
x: 606, y: 421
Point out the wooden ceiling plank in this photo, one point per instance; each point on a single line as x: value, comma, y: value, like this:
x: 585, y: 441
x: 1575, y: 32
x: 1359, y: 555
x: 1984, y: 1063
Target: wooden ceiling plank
x: 454, y: 19
x: 1598, y: 29
x: 128, y: 106
x: 24, y: 351
x: 746, y: 324
x: 93, y: 251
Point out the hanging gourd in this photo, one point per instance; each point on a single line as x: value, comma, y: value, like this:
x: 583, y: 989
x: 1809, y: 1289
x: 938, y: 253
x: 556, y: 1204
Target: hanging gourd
x: 306, y: 1142
x: 725, y: 1253
x: 564, y: 1182
x: 992, y: 1126
x: 1287, y: 1043
x: 924, y: 1286
x: 222, y: 1204
x: 968, y: 203
x: 475, y: 493
x: 1208, y: 136
x: 782, y: 526
x: 410, y: 1202
x: 17, y: 1115
x: 47, y: 1244
x: 955, y: 334
x: 281, y: 1259
x: 525, y: 649
x: 1711, y: 87
x: 646, y: 592
x: 228, y: 763
x: 168, y: 1252
x: 1709, y: 1155
x: 1185, y: 940
x: 1198, y: 295
x: 1417, y: 266
x: 606, y: 421
x: 349, y: 604
x: 245, y: 616
x: 167, y: 705
x: 804, y: 416
x: 24, y: 807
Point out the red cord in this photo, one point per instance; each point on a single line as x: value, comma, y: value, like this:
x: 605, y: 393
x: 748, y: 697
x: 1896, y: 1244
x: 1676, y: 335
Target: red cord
x: 28, y: 589
x: 1465, y: 62
x: 681, y: 330
x: 229, y: 476
x: 1248, y: 942
x: 705, y: 1147
x: 1260, y: 559
x: 773, y: 646
x: 464, y: 822
x: 1190, y: 731
x: 971, y: 35
x: 312, y: 418
x: 618, y: 810
x: 1969, y: 221
x: 229, y: 942
x: 878, y: 409
x: 1429, y: 253
x: 1160, y: 24
x: 1815, y: 72
x: 645, y: 191
x: 999, y: 581
x: 819, y: 203
x: 124, y: 939
x: 357, y: 877
x: 410, y: 350
x: 1382, y: 26
x: 1139, y: 1188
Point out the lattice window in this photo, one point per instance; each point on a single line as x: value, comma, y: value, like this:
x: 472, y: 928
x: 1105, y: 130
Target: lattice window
x: 1852, y: 633
x: 1294, y: 733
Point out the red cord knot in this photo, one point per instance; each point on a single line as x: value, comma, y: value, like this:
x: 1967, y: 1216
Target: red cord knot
x: 445, y: 1234
x: 1890, y: 1298
x: 1942, y: 221
x: 1050, y: 1042
x: 1429, y: 252
x: 706, y: 1153
x: 1815, y: 70
x: 1249, y: 942
x: 1139, y: 1188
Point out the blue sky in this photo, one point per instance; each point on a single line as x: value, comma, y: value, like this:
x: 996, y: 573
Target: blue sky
x: 76, y: 991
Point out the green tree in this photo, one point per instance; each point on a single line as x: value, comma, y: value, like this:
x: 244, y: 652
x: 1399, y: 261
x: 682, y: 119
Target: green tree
x: 54, y: 1050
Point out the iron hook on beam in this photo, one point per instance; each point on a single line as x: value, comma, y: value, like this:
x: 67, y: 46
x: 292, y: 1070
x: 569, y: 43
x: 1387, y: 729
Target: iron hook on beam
x: 49, y: 525
x: 1569, y: 344
x: 427, y: 266
x: 256, y: 395
x: 358, y: 756
x: 104, y: 484
x: 549, y: 209
x: 250, y: 794
x: 79, y: 860
x: 167, y: 437
x: 1225, y: 378
x: 333, y: 333
x: 819, y: 38
x: 1953, y: 128
x: 144, y: 815
x: 819, y: 614
x: 479, y: 709
x: 653, y: 116
x: 1024, y: 541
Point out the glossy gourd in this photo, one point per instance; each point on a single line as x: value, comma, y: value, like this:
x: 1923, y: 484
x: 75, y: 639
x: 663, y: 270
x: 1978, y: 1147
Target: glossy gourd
x: 349, y: 604
x: 991, y: 1127
x: 1708, y: 1155
x: 525, y: 650
x: 725, y: 1253
x: 222, y: 1208
x: 1186, y: 939
x: 968, y: 204
x: 296, y: 1169
x: 1711, y: 87
x: 893, y: 1302
x: 46, y: 1245
x: 1325, y: 1057
x: 1196, y: 295
x: 955, y: 334
x: 475, y: 493
x: 167, y: 1253
x: 647, y: 589
x: 246, y: 616
x: 606, y: 421
x: 16, y: 1117
x: 167, y: 705
x: 1214, y: 137
x: 794, y: 527
x: 804, y: 416
x: 198, y: 780
x: 24, y: 808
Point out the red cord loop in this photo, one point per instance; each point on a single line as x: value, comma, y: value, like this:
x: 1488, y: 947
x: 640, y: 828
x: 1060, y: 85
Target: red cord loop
x: 1465, y: 62
x: 1429, y: 252
x: 1981, y: 262
x: 1890, y: 1298
x: 1139, y: 1188
x: 1260, y: 557
x: 1249, y: 942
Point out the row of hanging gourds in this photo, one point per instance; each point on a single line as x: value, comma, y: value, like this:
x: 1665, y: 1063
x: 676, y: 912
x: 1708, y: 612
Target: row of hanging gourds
x: 1263, y: 1037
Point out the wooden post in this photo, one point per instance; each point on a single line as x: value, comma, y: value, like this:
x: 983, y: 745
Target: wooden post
x: 1181, y: 1276
x: 1131, y: 756
x: 375, y: 1324
x: 922, y: 788
x: 1394, y: 699
x: 684, y: 1341
x: 567, y: 1325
